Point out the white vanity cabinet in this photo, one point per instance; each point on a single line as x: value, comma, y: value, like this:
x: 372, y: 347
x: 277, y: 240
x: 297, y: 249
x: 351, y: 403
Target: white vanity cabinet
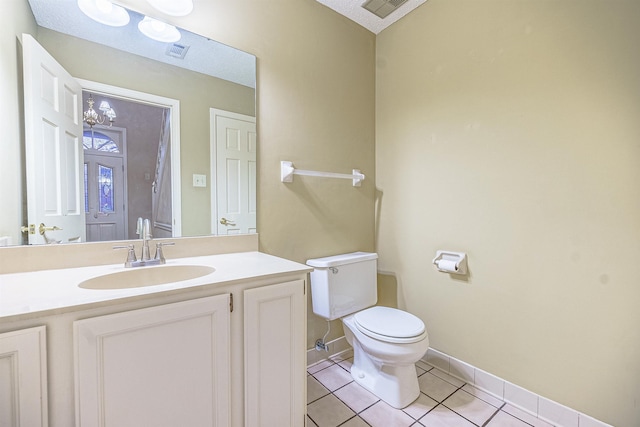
x: 196, y: 363
x: 226, y: 349
x: 23, y: 378
x: 275, y: 373
x: 160, y: 366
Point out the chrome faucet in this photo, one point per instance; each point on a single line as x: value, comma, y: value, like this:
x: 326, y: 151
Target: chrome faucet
x: 144, y: 231
x: 146, y: 236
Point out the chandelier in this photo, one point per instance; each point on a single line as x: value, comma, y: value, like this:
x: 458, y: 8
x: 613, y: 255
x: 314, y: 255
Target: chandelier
x: 92, y: 118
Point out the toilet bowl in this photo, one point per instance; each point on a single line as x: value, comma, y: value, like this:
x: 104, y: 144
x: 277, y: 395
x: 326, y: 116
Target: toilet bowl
x: 385, y: 364
x: 386, y: 342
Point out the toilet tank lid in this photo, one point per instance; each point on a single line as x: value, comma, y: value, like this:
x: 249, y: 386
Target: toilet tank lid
x: 336, y: 260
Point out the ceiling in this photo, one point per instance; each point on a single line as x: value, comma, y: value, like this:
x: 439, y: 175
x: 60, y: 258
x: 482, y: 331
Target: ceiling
x: 202, y: 54
x: 353, y: 9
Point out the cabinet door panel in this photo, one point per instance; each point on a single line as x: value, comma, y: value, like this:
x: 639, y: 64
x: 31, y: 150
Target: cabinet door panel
x: 161, y: 366
x: 23, y: 378
x: 275, y: 376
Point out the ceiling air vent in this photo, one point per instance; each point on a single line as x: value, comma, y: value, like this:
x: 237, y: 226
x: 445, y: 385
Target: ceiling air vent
x: 382, y: 8
x: 177, y: 50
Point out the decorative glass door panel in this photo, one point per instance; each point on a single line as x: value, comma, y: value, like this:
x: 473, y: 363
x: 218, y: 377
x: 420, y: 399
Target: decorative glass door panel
x: 105, y: 189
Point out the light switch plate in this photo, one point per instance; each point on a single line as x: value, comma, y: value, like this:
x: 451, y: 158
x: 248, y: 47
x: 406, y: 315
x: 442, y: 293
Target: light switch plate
x: 199, y: 180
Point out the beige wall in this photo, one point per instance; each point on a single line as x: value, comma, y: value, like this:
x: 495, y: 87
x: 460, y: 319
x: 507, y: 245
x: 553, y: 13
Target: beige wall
x: 510, y: 130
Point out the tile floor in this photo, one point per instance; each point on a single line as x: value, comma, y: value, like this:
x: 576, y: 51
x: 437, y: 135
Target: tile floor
x: 334, y: 399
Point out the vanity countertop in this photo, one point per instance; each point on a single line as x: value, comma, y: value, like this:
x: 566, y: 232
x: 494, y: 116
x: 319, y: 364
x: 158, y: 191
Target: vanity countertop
x: 56, y: 291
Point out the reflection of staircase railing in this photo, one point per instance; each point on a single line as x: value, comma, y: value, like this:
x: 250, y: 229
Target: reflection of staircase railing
x: 161, y: 209
x: 163, y: 146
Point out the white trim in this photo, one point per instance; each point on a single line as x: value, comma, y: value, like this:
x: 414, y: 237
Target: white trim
x: 525, y: 400
x: 161, y: 101
x: 337, y: 346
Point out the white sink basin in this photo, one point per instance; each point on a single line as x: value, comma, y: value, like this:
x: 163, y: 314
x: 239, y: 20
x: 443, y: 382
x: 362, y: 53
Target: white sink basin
x: 139, y: 277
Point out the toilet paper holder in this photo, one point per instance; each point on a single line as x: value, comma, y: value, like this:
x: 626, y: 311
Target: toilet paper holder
x: 451, y: 262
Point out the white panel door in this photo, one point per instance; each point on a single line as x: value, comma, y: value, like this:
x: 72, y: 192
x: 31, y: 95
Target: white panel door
x: 163, y: 366
x: 233, y: 148
x: 54, y: 157
x: 275, y: 355
x: 23, y: 378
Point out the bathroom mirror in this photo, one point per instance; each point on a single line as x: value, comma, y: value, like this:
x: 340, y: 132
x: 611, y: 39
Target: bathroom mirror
x: 213, y: 86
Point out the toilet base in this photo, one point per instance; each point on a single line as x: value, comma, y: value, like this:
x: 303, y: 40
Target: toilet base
x: 397, y: 385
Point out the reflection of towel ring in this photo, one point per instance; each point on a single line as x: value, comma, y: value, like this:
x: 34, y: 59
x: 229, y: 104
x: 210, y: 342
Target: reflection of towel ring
x: 154, y: 186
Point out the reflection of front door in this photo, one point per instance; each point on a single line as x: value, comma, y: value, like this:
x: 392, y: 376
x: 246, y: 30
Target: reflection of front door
x: 53, y: 129
x: 234, y: 193
x: 105, y: 184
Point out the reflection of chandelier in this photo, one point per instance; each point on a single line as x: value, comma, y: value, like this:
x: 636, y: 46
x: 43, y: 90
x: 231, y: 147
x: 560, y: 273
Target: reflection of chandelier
x: 91, y: 117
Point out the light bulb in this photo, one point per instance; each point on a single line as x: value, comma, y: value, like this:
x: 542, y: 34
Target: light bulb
x: 104, y: 6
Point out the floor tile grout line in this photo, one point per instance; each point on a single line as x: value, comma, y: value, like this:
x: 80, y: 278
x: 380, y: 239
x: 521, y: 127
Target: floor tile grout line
x: 515, y: 416
x: 456, y: 412
x: 438, y: 403
x: 494, y: 414
x: 357, y: 413
x: 312, y: 420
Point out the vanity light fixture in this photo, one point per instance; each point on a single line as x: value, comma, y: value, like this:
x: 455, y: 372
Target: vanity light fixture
x: 173, y: 7
x: 92, y: 118
x: 104, y: 12
x: 158, y: 30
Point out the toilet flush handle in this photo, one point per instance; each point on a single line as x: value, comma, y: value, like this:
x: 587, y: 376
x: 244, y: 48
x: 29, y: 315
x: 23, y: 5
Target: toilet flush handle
x: 334, y: 270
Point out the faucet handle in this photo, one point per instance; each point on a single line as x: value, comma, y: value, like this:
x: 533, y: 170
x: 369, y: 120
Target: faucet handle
x: 159, y: 255
x: 131, y: 255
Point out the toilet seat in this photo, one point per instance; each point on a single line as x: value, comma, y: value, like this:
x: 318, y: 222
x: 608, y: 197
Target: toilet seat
x: 390, y: 325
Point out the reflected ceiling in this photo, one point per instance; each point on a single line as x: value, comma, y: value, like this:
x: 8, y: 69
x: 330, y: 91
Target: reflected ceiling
x: 219, y: 60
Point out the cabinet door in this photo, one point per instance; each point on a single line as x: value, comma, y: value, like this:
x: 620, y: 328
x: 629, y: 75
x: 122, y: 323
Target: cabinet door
x: 161, y: 366
x: 23, y: 378
x: 275, y: 376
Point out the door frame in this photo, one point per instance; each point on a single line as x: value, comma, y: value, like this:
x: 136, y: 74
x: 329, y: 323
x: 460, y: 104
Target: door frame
x: 158, y: 101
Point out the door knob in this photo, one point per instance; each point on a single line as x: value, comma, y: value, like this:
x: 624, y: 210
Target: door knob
x: 31, y: 229
x: 44, y: 228
x: 225, y: 221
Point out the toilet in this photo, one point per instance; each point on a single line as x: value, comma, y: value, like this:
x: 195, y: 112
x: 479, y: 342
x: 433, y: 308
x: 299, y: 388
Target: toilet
x: 386, y: 342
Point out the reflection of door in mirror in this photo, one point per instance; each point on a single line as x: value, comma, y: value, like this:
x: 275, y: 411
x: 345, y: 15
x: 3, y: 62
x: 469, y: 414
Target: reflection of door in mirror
x: 143, y: 133
x: 105, y: 183
x: 233, y: 150
x: 53, y: 148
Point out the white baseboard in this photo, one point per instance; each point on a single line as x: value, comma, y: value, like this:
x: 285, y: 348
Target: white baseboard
x: 334, y: 347
x: 531, y: 403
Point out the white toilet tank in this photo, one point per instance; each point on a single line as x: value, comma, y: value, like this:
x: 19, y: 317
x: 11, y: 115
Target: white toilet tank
x: 343, y: 284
